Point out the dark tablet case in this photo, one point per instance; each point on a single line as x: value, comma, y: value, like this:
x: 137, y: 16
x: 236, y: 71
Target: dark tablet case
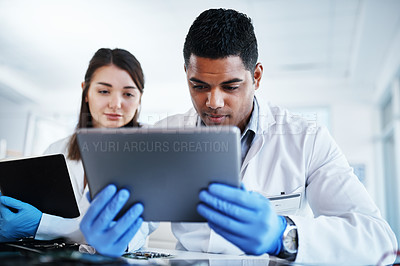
x: 43, y: 182
x: 165, y: 169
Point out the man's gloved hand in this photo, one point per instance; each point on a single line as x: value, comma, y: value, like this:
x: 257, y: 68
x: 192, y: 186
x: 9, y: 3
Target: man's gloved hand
x: 244, y: 218
x: 17, y: 219
x: 107, y: 236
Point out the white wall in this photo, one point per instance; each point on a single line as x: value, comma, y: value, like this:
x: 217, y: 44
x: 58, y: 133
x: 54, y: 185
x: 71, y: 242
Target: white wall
x: 354, y: 127
x: 29, y: 129
x: 13, y: 121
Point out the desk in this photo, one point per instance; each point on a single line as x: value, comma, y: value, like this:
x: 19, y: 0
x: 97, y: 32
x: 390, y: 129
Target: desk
x: 200, y: 258
x: 14, y: 256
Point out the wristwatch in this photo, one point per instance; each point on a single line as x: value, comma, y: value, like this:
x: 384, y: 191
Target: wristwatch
x: 290, y: 241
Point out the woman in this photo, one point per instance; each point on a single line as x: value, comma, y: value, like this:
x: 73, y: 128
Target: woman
x: 111, y: 98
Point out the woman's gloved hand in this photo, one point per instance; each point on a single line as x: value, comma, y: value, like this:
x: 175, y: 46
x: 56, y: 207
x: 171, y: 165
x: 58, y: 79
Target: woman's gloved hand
x: 17, y: 219
x: 244, y: 218
x: 109, y: 237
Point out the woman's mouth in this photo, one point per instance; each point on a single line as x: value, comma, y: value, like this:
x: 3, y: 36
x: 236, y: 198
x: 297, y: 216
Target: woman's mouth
x: 112, y: 116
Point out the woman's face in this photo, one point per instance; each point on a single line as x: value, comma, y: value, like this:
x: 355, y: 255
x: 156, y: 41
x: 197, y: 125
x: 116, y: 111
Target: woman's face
x: 113, y: 97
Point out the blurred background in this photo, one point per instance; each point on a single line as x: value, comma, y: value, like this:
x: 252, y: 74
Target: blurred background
x: 334, y: 62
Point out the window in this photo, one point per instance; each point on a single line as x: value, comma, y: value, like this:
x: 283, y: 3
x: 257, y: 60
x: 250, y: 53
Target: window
x: 44, y: 130
x: 390, y: 128
x: 387, y: 113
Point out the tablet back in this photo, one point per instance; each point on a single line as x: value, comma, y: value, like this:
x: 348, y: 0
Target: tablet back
x: 42, y: 181
x: 165, y: 169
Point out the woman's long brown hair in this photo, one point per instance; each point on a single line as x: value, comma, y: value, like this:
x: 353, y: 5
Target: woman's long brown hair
x: 105, y: 57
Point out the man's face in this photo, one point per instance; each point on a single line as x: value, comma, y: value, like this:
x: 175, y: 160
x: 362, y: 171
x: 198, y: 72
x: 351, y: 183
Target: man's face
x: 222, y: 90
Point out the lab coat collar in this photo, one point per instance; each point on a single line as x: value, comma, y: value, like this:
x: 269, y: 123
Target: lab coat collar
x: 265, y: 117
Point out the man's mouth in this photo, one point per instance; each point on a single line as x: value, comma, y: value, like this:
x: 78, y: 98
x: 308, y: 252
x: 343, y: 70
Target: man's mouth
x: 215, y: 119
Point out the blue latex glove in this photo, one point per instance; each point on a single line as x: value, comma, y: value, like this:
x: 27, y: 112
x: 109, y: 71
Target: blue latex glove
x: 108, y: 237
x: 244, y: 218
x: 22, y: 220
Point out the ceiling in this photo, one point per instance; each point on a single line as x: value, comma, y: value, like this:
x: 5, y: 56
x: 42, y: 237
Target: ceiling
x: 45, y: 45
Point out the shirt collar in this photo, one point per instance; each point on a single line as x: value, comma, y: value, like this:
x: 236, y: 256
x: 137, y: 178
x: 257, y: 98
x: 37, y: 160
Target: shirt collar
x: 253, y: 123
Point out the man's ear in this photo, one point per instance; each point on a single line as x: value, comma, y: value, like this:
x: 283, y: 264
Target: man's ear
x: 258, y: 72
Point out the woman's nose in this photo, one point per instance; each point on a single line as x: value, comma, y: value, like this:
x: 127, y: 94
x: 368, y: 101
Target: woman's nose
x: 115, y: 102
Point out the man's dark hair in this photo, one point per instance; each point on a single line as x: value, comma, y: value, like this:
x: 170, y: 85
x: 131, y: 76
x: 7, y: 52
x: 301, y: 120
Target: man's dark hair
x: 219, y: 33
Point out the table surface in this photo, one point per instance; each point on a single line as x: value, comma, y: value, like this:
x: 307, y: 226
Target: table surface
x: 25, y: 257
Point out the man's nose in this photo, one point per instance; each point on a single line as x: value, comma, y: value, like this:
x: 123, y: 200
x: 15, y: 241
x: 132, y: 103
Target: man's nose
x: 215, y: 99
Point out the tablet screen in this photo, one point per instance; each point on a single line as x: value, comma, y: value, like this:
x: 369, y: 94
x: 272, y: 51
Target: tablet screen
x: 165, y: 169
x: 42, y: 181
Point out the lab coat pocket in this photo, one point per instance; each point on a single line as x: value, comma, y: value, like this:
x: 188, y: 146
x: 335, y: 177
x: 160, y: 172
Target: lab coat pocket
x: 286, y: 204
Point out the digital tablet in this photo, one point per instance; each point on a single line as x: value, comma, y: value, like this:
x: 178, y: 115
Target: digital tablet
x: 42, y: 181
x: 165, y: 169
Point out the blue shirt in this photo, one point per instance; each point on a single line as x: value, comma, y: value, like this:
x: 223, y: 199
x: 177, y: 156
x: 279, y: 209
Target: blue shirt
x: 250, y: 131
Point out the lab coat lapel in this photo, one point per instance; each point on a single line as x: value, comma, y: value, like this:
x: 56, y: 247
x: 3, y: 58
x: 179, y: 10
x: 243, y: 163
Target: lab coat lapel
x: 265, y: 121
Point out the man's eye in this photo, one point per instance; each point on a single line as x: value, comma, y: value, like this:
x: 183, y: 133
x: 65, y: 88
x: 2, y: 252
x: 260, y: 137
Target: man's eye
x: 231, y: 88
x: 198, y: 87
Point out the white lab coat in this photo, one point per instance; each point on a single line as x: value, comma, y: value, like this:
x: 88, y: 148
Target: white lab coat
x: 51, y: 227
x: 337, y: 221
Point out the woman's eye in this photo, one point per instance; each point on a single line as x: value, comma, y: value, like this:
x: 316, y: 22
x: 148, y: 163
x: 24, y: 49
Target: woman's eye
x: 129, y: 94
x: 103, y: 91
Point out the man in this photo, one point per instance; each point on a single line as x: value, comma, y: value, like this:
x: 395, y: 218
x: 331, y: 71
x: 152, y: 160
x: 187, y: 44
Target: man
x: 281, y: 154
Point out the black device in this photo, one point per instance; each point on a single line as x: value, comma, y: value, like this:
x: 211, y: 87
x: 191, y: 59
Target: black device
x: 41, y: 181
